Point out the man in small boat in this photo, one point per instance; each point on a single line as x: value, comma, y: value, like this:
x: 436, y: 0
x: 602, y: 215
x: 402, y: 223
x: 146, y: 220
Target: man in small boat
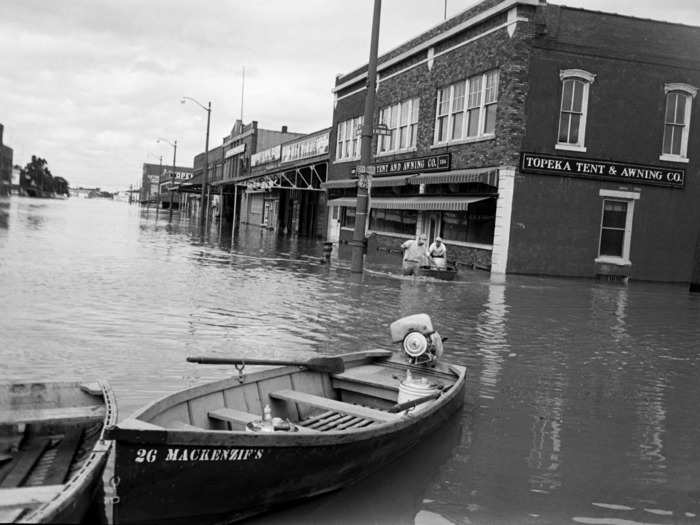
x: 438, y: 253
x: 415, y: 255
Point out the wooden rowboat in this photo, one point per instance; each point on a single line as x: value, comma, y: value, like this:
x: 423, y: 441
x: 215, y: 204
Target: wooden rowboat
x: 52, y: 451
x: 205, y: 454
x: 447, y: 273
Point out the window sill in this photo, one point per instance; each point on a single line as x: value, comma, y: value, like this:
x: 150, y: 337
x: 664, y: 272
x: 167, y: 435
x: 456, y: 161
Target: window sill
x: 617, y: 261
x: 396, y: 152
x: 345, y: 161
x: 571, y: 147
x: 471, y: 140
x: 674, y: 158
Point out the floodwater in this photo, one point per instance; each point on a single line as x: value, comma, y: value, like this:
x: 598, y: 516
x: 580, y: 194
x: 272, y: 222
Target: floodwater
x: 583, y: 404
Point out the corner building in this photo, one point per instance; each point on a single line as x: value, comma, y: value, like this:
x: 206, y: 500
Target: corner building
x: 534, y: 139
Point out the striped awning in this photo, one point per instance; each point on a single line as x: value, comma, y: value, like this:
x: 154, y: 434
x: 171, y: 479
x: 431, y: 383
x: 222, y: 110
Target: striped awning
x: 427, y: 203
x: 340, y: 183
x: 396, y: 180
x: 349, y: 202
x: 483, y: 175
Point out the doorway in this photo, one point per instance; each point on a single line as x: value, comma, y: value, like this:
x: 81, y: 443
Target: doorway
x: 431, y: 226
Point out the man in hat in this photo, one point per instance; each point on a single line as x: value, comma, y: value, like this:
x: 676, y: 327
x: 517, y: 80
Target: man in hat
x: 415, y: 255
x: 438, y: 253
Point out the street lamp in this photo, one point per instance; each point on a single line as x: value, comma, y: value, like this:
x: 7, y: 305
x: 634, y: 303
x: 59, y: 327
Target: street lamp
x: 205, y: 180
x: 172, y: 175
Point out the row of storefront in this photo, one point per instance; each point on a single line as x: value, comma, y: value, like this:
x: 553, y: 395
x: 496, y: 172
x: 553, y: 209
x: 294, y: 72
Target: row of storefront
x: 533, y: 138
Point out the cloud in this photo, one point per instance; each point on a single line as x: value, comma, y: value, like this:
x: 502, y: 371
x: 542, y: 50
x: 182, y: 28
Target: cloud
x: 93, y: 83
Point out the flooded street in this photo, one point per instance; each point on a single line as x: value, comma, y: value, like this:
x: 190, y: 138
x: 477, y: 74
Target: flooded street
x: 582, y: 403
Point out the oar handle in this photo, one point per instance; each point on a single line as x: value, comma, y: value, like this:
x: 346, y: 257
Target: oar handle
x: 326, y: 364
x: 399, y: 407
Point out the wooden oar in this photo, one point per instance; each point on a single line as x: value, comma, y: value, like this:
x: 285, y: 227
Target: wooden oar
x: 326, y: 364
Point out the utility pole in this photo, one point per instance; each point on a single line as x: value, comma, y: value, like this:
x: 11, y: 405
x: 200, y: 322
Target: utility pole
x: 172, y: 180
x: 205, y: 181
x: 363, y: 170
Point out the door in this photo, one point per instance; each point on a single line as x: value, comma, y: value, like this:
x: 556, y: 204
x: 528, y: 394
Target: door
x: 431, y: 226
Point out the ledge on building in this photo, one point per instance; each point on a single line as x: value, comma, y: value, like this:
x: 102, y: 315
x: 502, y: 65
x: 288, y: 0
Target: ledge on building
x: 613, y: 269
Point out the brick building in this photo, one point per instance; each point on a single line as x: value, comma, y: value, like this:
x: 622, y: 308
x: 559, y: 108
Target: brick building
x: 157, y: 179
x: 534, y: 139
x: 5, y: 166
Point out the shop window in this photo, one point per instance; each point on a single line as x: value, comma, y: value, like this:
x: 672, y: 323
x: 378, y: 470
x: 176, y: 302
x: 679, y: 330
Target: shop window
x: 573, y: 113
x: 348, y: 143
x: 679, y: 101
x: 616, y: 226
x: 467, y: 109
x: 393, y: 221
x: 476, y: 225
x: 347, y: 217
x: 402, y: 121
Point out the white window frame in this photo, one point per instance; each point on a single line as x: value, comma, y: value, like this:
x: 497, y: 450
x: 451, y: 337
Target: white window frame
x: 391, y: 117
x: 689, y: 92
x: 452, y: 110
x: 348, y: 141
x: 615, y: 195
x: 587, y: 79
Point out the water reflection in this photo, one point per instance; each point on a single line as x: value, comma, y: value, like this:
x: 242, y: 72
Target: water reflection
x: 582, y: 400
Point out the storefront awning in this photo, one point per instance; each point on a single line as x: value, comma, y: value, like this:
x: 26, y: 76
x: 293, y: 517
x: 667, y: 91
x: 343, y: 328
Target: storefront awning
x: 349, y: 202
x: 340, y: 183
x: 396, y: 180
x: 483, y: 175
x: 427, y: 203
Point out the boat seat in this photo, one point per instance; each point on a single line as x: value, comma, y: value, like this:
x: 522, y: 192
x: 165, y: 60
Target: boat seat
x: 81, y: 414
x: 333, y: 405
x: 237, y: 418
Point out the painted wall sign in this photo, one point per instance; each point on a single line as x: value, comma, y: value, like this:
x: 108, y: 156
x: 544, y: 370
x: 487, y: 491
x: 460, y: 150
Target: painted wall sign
x: 235, y: 150
x: 601, y: 170
x: 303, y: 149
x: 422, y: 164
x: 266, y: 156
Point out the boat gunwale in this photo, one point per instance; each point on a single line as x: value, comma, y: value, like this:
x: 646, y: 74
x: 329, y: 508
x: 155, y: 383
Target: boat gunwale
x: 122, y: 432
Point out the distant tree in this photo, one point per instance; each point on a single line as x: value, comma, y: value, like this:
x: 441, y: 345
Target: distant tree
x: 36, y: 179
x: 60, y: 186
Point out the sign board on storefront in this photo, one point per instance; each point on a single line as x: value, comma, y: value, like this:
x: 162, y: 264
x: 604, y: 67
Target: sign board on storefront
x: 420, y: 164
x: 601, y: 170
x: 236, y: 150
x: 305, y: 148
x: 266, y: 156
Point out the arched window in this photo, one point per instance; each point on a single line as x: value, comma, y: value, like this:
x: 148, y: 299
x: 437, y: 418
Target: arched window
x: 679, y: 101
x: 573, y: 112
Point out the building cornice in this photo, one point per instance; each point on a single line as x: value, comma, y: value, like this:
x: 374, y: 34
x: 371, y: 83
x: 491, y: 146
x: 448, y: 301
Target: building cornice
x: 447, y: 33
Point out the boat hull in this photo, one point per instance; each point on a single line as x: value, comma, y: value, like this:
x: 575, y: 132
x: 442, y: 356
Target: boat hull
x: 444, y: 274
x: 221, y: 477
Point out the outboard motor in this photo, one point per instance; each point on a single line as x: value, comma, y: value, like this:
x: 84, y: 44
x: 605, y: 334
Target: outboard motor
x: 421, y: 345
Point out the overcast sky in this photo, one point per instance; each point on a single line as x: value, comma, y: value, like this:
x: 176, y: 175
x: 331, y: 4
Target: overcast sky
x: 90, y: 85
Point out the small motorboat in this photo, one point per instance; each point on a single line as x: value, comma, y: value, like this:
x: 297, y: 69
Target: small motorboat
x: 52, y: 451
x: 228, y: 449
x: 445, y: 273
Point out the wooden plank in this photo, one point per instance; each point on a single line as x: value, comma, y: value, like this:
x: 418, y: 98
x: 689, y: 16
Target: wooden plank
x: 65, y: 453
x: 390, y: 394
x: 231, y: 415
x: 92, y: 413
x: 27, y: 497
x: 318, y: 424
x: 312, y: 419
x: 199, y: 406
x: 23, y: 463
x: 10, y: 515
x: 181, y: 425
x: 332, y: 404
